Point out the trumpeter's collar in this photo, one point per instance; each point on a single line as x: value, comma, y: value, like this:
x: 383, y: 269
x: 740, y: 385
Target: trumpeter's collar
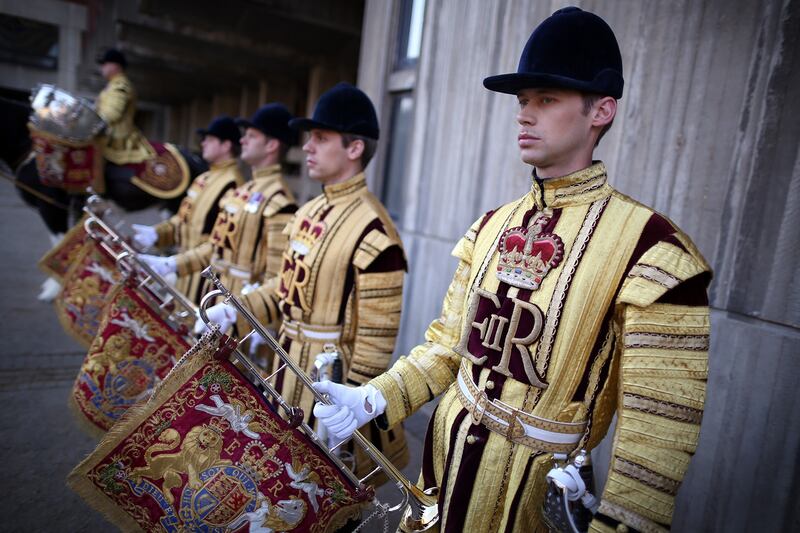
x: 581, y: 187
x: 346, y: 188
x: 267, y: 172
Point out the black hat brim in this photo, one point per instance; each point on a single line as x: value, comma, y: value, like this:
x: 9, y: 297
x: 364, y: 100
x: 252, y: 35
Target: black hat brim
x: 514, y: 82
x: 244, y: 123
x: 306, y: 124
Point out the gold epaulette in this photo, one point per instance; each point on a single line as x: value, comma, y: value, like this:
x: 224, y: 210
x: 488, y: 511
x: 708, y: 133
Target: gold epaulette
x: 371, y: 246
x: 277, y: 202
x: 466, y: 244
x: 662, y: 267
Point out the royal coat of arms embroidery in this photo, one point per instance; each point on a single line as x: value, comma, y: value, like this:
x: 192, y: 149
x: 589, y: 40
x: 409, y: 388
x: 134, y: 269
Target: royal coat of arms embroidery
x: 133, y: 351
x: 85, y: 292
x: 208, y: 453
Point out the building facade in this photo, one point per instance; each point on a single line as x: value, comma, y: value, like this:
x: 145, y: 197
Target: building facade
x: 704, y: 133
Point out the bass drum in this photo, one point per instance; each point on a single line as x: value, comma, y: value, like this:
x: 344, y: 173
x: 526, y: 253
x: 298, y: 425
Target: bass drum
x: 64, y: 116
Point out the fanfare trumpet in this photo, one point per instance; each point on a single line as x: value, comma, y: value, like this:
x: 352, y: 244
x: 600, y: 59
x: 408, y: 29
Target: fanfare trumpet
x: 174, y: 307
x: 422, y: 512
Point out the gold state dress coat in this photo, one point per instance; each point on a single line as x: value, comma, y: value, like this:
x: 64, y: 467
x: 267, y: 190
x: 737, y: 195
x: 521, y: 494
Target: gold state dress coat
x: 569, y: 304
x: 192, y: 224
x: 340, y: 283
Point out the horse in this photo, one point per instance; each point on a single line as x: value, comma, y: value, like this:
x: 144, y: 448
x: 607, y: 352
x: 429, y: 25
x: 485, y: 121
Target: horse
x: 54, y: 203
x: 59, y: 207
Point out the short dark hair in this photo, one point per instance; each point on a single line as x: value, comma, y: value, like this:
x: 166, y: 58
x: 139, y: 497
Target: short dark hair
x: 236, y: 148
x: 370, y: 145
x: 589, y: 99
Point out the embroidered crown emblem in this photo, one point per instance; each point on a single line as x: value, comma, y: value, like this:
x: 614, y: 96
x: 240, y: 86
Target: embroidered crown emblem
x: 528, y: 254
x: 259, y: 462
x: 307, y: 235
x: 217, y: 425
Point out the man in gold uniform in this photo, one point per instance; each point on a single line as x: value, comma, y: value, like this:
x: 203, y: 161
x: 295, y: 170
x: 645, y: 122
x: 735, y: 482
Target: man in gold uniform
x: 116, y: 105
x: 341, y: 277
x: 247, y: 239
x: 192, y: 224
x: 567, y: 305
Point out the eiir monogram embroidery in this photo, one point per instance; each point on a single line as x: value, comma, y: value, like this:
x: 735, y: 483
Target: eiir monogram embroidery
x: 495, y: 327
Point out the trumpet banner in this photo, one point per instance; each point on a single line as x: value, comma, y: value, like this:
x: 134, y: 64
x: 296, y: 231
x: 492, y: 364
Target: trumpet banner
x: 133, y: 351
x: 85, y: 291
x: 208, y: 453
x: 57, y: 261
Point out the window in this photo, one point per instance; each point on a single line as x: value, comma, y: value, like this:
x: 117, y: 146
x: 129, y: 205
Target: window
x: 397, y: 150
x: 409, y: 36
x: 28, y: 42
x: 402, y: 81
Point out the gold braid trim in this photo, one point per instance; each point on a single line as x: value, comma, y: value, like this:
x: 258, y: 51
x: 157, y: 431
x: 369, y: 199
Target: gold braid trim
x: 545, y: 347
x: 629, y: 518
x: 669, y: 410
x: 645, y: 475
x: 696, y: 343
x: 654, y: 274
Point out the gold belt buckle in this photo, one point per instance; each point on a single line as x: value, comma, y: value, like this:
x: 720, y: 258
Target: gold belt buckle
x: 480, y: 407
x: 514, y: 425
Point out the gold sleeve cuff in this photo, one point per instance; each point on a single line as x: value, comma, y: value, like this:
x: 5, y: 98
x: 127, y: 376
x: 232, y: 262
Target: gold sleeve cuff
x: 194, y: 260
x: 404, y: 388
x: 166, y: 232
x: 263, y: 303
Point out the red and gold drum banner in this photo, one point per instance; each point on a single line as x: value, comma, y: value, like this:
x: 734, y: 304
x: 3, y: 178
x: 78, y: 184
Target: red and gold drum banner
x: 84, y: 295
x: 133, y: 351
x: 208, y: 453
x: 57, y: 261
x: 72, y: 166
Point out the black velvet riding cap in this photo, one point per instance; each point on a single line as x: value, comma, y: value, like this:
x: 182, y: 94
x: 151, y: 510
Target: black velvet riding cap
x: 571, y: 49
x: 223, y: 128
x: 112, y: 55
x: 345, y: 109
x: 272, y: 120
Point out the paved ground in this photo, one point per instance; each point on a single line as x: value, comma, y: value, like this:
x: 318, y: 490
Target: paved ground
x: 40, y: 441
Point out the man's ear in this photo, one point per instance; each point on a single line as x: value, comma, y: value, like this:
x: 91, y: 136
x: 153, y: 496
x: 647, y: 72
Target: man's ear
x: 227, y: 146
x: 604, y: 111
x: 273, y: 145
x: 355, y: 149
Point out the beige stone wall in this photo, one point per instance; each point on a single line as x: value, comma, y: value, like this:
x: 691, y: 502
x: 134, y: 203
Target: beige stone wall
x: 706, y: 133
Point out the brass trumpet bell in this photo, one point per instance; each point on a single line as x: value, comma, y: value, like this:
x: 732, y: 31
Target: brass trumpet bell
x: 422, y: 512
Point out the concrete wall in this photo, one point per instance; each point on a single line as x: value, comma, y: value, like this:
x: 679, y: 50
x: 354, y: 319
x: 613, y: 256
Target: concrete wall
x: 706, y: 133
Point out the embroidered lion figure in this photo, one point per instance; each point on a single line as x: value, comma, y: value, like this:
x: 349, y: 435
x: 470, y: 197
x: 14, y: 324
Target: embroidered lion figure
x: 115, y: 349
x: 200, y: 450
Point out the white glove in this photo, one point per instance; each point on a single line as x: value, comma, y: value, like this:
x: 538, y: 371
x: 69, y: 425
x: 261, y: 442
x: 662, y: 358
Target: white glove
x: 221, y: 313
x: 249, y: 287
x: 256, y: 340
x: 570, y: 479
x: 162, y: 265
x: 171, y: 278
x: 144, y: 236
x: 352, y: 407
x: 322, y: 361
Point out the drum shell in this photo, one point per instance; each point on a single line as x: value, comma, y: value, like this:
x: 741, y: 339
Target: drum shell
x: 67, y: 117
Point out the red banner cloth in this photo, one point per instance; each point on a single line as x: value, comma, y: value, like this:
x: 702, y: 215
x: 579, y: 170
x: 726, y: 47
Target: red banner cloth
x: 57, y: 261
x: 68, y: 165
x: 208, y: 453
x: 85, y: 291
x: 133, y: 351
